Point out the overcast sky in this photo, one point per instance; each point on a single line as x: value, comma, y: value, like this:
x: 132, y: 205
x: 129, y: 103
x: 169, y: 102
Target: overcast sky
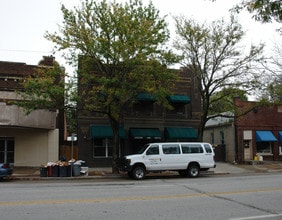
x: 24, y: 22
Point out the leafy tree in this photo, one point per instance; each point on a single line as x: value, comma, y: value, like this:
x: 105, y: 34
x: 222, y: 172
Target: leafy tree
x: 214, y: 55
x: 121, y: 48
x: 222, y: 101
x: 265, y: 11
x: 273, y: 82
x: 45, y: 89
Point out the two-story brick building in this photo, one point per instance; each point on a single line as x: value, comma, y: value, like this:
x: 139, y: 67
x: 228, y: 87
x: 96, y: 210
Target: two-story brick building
x: 25, y: 139
x: 144, y: 122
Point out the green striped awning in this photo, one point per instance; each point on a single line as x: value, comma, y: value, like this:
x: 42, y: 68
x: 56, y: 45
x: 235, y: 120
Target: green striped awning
x: 179, y: 99
x: 143, y: 96
x: 104, y: 131
x: 180, y: 133
x: 145, y: 133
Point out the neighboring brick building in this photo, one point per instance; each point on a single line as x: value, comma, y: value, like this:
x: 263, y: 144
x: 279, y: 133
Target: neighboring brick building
x: 256, y: 133
x: 25, y: 140
x: 259, y: 132
x: 145, y: 122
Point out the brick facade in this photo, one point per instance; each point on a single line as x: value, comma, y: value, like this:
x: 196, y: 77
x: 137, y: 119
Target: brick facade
x: 258, y: 118
x: 143, y: 115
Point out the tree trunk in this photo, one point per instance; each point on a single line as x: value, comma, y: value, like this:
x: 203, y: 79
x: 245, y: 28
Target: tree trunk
x: 115, y: 128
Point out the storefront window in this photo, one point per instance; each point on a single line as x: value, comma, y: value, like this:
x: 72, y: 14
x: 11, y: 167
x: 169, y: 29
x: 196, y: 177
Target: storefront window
x: 7, y: 148
x: 102, y: 147
x: 264, y: 147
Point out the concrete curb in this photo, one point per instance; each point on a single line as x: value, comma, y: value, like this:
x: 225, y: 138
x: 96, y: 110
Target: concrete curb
x: 105, y: 173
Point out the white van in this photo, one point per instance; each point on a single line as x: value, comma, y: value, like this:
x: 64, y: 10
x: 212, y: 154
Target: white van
x: 188, y: 158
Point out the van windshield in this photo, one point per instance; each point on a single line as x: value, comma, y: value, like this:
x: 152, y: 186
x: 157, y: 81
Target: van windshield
x: 141, y: 151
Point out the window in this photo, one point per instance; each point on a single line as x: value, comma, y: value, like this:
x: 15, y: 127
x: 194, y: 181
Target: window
x: 177, y: 109
x: 171, y: 149
x: 7, y: 148
x: 153, y: 150
x: 247, y: 143
x: 264, y: 147
x: 143, y: 108
x: 212, y: 138
x: 208, y: 148
x: 191, y: 148
x: 102, y: 147
x: 222, y: 137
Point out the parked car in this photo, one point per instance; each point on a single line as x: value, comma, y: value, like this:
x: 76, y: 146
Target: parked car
x: 5, y: 170
x: 187, y: 158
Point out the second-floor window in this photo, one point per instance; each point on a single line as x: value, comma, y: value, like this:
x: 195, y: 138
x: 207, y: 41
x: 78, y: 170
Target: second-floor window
x: 178, y: 109
x: 143, y: 108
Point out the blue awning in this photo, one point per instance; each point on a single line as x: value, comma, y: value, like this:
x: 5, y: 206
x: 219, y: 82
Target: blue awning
x: 265, y: 136
x: 104, y: 131
x: 280, y: 135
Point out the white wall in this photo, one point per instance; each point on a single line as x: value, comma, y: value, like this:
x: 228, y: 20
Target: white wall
x: 229, y: 139
x: 33, y: 147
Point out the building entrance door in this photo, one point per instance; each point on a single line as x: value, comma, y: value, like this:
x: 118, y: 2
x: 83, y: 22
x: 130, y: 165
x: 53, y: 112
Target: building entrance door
x: 7, y: 148
x: 247, y: 150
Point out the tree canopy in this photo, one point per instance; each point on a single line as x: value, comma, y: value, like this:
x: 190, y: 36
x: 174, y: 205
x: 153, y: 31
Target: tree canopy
x: 222, y: 101
x: 121, y: 51
x: 217, y: 59
x: 45, y: 89
x: 273, y: 80
x: 264, y: 10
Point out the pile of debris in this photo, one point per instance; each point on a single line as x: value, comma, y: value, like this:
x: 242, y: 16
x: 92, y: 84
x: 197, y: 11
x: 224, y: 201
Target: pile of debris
x: 63, y: 168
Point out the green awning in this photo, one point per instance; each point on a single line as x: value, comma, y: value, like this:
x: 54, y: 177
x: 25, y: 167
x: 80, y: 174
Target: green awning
x: 145, y: 133
x: 145, y: 97
x: 104, y: 131
x: 180, y: 133
x: 265, y: 136
x: 184, y: 99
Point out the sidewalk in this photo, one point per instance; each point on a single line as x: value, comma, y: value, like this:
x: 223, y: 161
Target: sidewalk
x: 27, y: 173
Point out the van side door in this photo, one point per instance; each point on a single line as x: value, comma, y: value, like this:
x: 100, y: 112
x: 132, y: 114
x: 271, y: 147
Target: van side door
x: 152, y: 158
x: 172, y: 159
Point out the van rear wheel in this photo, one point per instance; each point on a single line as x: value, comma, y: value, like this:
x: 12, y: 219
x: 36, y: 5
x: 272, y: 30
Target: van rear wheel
x: 193, y: 170
x: 138, y: 173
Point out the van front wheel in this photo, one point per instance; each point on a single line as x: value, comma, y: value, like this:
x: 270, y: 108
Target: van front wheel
x: 138, y: 173
x: 193, y: 170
